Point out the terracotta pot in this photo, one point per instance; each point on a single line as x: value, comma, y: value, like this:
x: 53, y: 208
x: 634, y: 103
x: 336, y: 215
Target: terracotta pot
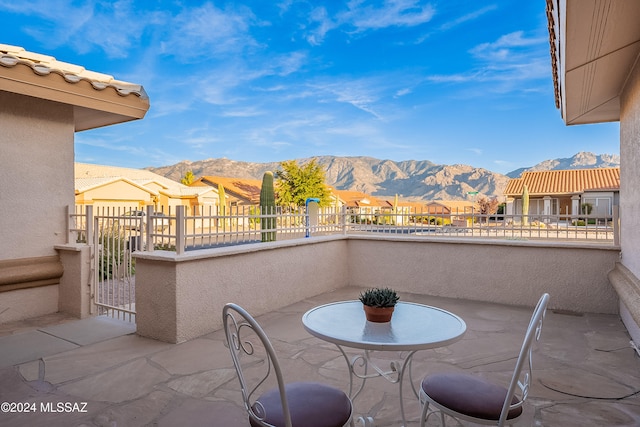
x: 378, y: 314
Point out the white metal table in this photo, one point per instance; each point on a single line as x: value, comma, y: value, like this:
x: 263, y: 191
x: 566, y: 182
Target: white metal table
x: 413, y: 327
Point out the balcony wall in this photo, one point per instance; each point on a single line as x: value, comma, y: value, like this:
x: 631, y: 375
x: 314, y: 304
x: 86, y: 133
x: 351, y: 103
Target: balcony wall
x: 508, y: 272
x: 180, y: 297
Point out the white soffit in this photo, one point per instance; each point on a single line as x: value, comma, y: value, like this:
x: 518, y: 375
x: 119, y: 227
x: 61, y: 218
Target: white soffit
x: 599, y: 45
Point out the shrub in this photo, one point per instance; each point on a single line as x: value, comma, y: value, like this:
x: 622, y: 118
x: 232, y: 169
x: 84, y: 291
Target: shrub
x: 379, y: 297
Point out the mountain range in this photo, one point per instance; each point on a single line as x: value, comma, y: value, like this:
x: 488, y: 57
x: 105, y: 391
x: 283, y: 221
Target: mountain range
x: 417, y: 180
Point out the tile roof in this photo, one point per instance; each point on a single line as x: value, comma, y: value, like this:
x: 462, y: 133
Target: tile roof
x: 86, y: 184
x: 248, y: 189
x: 564, y: 181
x: 43, y: 65
x: 85, y: 171
x: 451, y: 205
x: 359, y: 199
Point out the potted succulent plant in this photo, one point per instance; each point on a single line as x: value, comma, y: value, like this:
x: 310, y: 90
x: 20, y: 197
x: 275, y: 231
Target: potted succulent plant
x: 379, y: 303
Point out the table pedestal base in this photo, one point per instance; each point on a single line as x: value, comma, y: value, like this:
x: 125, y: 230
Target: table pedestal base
x: 394, y: 375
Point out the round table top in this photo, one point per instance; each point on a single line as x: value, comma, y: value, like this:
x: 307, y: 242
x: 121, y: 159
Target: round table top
x: 412, y: 327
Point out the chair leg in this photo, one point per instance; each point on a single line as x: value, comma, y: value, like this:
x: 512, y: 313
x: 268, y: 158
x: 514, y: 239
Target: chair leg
x: 423, y: 417
x: 426, y: 414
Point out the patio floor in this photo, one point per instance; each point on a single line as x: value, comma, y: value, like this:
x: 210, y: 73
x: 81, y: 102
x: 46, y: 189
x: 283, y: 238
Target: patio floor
x: 586, y: 373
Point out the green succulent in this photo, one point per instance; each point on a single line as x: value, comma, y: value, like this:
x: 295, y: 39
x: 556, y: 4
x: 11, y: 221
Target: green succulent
x: 379, y: 297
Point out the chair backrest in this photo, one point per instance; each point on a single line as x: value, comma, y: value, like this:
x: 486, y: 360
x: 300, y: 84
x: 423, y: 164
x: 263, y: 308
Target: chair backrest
x: 241, y: 331
x: 521, y: 381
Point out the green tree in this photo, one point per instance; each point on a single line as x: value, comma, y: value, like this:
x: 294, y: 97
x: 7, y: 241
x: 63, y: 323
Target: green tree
x: 295, y: 184
x: 188, y: 178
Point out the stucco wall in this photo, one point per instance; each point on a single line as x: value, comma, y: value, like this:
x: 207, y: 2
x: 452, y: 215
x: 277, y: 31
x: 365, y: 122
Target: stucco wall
x: 626, y: 279
x: 630, y: 172
x: 123, y: 192
x: 74, y: 288
x: 27, y: 303
x: 181, y: 297
x: 36, y: 185
x: 36, y: 175
x: 514, y: 273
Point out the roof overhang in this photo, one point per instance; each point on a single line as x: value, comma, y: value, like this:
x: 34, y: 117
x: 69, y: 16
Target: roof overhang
x: 103, y: 182
x: 98, y: 100
x: 594, y: 46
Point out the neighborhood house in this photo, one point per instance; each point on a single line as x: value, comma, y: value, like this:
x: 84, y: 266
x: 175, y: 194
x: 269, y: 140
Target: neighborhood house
x: 565, y: 192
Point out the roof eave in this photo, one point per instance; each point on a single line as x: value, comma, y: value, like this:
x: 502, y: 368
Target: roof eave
x: 593, y: 46
x: 93, y: 108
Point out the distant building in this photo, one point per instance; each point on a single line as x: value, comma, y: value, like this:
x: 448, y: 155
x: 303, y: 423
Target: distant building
x: 113, y: 186
x: 565, y: 192
x: 238, y: 191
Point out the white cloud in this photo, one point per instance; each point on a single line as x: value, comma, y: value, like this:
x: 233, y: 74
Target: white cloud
x: 505, y: 48
x: 511, y: 59
x: 359, y: 17
x: 207, y: 31
x: 362, y: 94
x: 322, y: 24
x: 467, y: 17
x: 246, y: 112
x: 233, y: 81
x: 393, y: 13
x: 112, y: 27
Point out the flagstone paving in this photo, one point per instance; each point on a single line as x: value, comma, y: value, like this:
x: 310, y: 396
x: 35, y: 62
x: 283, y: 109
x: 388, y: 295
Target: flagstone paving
x: 97, y: 372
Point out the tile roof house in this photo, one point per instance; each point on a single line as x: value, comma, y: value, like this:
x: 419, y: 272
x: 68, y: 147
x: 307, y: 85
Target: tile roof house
x: 135, y: 188
x: 595, y: 47
x: 358, y: 199
x: 449, y: 207
x: 564, y: 192
x: 239, y: 191
x: 43, y: 101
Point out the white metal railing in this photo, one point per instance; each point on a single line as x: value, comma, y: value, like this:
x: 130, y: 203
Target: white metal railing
x: 183, y: 229
x: 209, y: 227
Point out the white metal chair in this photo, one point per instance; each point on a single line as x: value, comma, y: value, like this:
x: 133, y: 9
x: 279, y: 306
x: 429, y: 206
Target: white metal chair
x: 469, y: 398
x: 298, y: 404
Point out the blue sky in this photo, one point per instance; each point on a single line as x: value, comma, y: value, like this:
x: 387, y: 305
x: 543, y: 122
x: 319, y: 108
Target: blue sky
x: 452, y: 81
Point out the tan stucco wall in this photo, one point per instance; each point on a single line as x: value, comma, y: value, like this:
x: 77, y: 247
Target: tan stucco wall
x: 74, y: 288
x: 27, y: 303
x: 181, y: 297
x: 36, y: 178
x: 630, y: 172
x: 626, y: 279
x: 36, y: 175
x: 514, y: 273
x: 120, y: 191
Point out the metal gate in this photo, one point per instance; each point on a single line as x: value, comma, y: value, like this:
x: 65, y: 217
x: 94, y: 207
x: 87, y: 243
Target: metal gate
x: 117, y: 233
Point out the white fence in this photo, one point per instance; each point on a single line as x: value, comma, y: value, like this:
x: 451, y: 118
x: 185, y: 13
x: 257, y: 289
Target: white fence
x: 115, y: 233
x: 182, y: 230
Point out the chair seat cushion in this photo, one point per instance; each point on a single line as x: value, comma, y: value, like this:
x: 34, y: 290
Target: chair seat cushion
x: 310, y: 404
x: 469, y: 395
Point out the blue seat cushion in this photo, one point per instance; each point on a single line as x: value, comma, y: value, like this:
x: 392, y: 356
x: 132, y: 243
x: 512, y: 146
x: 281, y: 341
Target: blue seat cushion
x: 469, y: 395
x: 310, y: 404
